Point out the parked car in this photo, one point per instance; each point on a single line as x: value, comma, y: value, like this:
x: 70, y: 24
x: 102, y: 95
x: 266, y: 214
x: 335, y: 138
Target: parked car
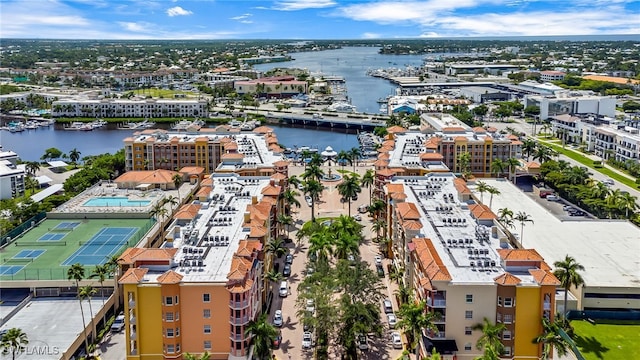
x: 307, y: 340
x: 118, y: 323
x: 284, y: 289
x: 552, y: 198
x: 396, y: 340
x: 608, y: 182
x: 363, y: 209
x: 357, y: 217
x: 311, y: 306
x: 277, y: 341
x: 277, y: 318
x: 392, y: 320
x: 287, y: 270
x: 363, y: 343
x: 354, y: 198
x: 308, y: 200
x: 388, y: 308
x: 288, y: 259
x: 378, y: 259
x: 380, y: 270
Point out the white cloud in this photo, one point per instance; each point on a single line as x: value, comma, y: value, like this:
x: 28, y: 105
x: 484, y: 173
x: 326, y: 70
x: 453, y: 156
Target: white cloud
x: 137, y: 26
x: 178, y: 11
x: 294, y: 5
x: 369, y: 35
x: 242, y: 17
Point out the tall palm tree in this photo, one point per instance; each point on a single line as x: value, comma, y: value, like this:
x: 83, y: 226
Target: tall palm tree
x: 376, y: 208
x: 32, y: 167
x: 101, y: 272
x: 290, y: 198
x: 497, y: 166
x: 273, y: 277
x: 285, y: 221
x: 262, y: 335
x: 177, y: 181
x: 377, y: 226
x: 349, y: 188
x: 403, y: 293
x: 159, y: 212
x: 628, y: 203
x: 321, y: 244
x: 482, y: 188
x: 504, y: 213
x: 172, y: 200
x: 367, y: 181
x: 567, y: 272
x: 528, y: 147
x: 276, y: 247
x: 313, y: 172
x: 551, y: 338
x: 314, y: 189
x: 522, y: 218
x: 293, y: 181
x: 512, y: 165
x: 14, y: 341
x: 346, y: 245
x: 74, y: 156
x: 76, y: 273
x: 87, y: 292
x: 492, y: 190
x: 343, y: 158
x: 413, y: 319
x: 355, y: 154
x: 489, y: 341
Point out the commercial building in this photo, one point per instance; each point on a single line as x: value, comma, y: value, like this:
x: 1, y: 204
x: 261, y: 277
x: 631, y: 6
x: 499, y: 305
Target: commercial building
x: 572, y: 102
x: 462, y: 265
x: 278, y: 86
x: 494, y: 69
x: 246, y: 153
x: 606, y: 248
x: 202, y: 287
x: 11, y: 175
x: 110, y: 108
x: 481, y: 94
x: 552, y: 75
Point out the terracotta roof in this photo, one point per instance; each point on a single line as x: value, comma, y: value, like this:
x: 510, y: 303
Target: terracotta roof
x: 396, y: 129
x: 391, y: 143
x: 279, y: 176
x: 258, y: 231
x: 519, y: 254
x: 479, y: 129
x: 408, y: 211
x: 240, y: 287
x: 412, y: 225
x: 398, y: 196
x: 170, y: 277
x: 491, y: 129
x: 385, y: 149
x: 225, y: 140
x: 159, y: 176
x: 516, y: 142
x: 281, y: 163
x: 383, y: 156
x: 453, y: 129
x: 532, y: 165
x: 133, y: 276
x: 275, y: 148
x: 232, y: 156
x: 543, y: 277
x: 482, y: 212
x: 231, y: 146
x: 460, y: 138
x: 432, y: 142
x: 507, y: 279
x: 131, y: 255
x: 397, y: 170
x: 191, y: 170
x: 461, y: 186
x: 187, y: 212
x: 262, y: 130
x: 512, y: 137
x: 271, y: 190
x: 207, y: 182
x: 204, y: 191
x: 246, y: 248
x: 431, y: 156
x: 385, y: 172
x: 381, y: 163
x: 239, y: 267
x: 395, y: 188
x: 429, y: 260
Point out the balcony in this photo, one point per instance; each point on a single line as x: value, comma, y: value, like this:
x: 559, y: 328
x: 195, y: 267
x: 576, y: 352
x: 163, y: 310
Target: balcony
x: 546, y: 306
x: 133, y: 335
x: 239, y: 320
x: 436, y: 302
x: 238, y: 304
x: 132, y: 304
x: 132, y: 320
x: 238, y: 337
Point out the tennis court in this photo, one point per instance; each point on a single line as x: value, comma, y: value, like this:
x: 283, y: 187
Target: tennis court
x: 52, y: 237
x: 101, y: 246
x: 10, y: 269
x: 67, y: 225
x: 28, y: 254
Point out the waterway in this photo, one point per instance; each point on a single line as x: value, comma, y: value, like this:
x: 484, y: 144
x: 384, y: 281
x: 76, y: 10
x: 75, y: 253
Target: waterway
x: 31, y: 144
x: 352, y: 64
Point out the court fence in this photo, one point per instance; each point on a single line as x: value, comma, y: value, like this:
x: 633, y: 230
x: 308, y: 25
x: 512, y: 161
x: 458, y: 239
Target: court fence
x: 22, y: 228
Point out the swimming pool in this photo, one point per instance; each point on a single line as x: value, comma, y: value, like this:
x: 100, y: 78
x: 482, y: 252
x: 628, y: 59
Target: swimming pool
x: 115, y: 201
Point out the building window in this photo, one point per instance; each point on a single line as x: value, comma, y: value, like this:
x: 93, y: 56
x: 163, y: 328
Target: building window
x: 177, y: 315
x: 207, y: 329
x: 468, y: 330
x: 207, y: 344
x: 177, y: 331
x: 469, y: 298
x: 506, y: 335
x: 468, y: 314
x: 499, y: 301
x: 176, y: 302
x: 170, y: 349
x: 168, y: 316
x: 206, y: 297
x: 498, y: 317
x: 508, y: 318
x: 509, y: 302
x: 168, y: 300
x: 467, y: 347
x: 206, y: 313
x: 169, y: 333
x: 178, y: 348
x: 506, y: 351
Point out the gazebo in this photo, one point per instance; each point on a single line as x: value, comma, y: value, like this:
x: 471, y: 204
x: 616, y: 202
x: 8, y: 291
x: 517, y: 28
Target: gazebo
x: 329, y: 154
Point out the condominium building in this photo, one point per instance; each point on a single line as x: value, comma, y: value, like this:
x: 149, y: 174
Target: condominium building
x: 254, y: 153
x: 148, y: 108
x: 279, y: 86
x: 572, y: 102
x: 202, y: 287
x: 11, y: 176
x: 462, y: 265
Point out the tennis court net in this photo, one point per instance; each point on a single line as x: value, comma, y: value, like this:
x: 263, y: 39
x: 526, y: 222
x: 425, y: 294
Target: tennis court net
x: 41, y: 243
x: 18, y: 261
x: 103, y: 242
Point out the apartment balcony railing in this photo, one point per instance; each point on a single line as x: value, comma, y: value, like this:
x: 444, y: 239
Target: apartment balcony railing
x: 436, y: 302
x: 238, y: 337
x: 239, y: 320
x: 238, y: 304
x: 132, y: 304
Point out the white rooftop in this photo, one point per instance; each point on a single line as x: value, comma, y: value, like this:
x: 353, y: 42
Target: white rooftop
x: 608, y: 249
x: 407, y: 152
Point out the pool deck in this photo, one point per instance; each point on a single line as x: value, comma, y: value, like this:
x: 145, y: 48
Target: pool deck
x: 76, y: 205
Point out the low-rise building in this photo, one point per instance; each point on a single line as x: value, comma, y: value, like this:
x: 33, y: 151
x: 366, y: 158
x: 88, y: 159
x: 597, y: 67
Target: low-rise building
x: 552, y: 75
x: 572, y: 102
x: 148, y: 108
x: 279, y: 86
x: 11, y: 175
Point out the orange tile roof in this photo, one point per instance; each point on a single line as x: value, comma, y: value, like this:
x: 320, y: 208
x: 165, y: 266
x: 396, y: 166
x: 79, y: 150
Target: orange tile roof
x: 425, y: 283
x: 258, y: 231
x: 431, y: 156
x: 262, y: 130
x: 381, y: 163
x: 225, y: 140
x: 398, y: 196
x: 133, y: 276
x: 281, y: 163
x: 240, y: 287
x: 279, y: 176
x: 461, y: 186
x: 391, y: 143
x: 239, y: 268
x: 397, y: 170
x: 517, y: 142
x: 395, y: 188
x: 231, y: 146
x: 460, y: 138
x: 385, y: 149
x: 532, y: 165
x: 482, y: 212
x: 396, y: 129
x: 159, y: 176
x: 520, y: 254
x: 246, y: 248
x: 429, y: 260
x: 412, y: 225
x: 187, y: 211
x: 207, y: 182
x: 491, y: 129
x: 408, y: 211
x: 275, y: 148
x: 270, y: 200
x: 271, y: 190
x: 170, y: 277
x: 453, y: 129
x: 544, y: 277
x: 204, y: 191
x: 507, y: 279
x: 512, y: 137
x: 131, y: 255
x: 191, y: 170
x: 232, y: 156
x: 479, y: 129
x: 385, y: 172
x: 383, y: 156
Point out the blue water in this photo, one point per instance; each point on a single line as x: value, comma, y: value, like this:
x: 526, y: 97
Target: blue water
x: 115, y: 201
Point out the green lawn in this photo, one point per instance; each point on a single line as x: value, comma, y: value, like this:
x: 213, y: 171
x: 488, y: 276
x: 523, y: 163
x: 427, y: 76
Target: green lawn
x: 607, y: 341
x: 164, y: 93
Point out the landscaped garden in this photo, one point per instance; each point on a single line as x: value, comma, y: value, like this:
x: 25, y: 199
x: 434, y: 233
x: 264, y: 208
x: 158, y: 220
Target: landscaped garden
x: 605, y: 340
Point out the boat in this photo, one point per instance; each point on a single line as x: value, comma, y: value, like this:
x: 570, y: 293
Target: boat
x: 98, y: 124
x: 16, y: 127
x: 342, y: 107
x: 79, y: 126
x: 31, y: 125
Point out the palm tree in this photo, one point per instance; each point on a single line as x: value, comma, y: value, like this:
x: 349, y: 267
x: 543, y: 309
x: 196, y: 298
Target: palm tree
x: 551, y: 338
x: 290, y: 198
x: 493, y: 191
x: 273, y: 277
x: 522, y: 218
x: 528, y: 147
x: 262, y: 334
x: 285, y: 221
x: 346, y: 245
x: 276, y: 247
x: 87, y: 292
x: 313, y: 172
x: 567, y: 272
x: 293, y: 181
x: 32, y: 167
x: 490, y: 339
x: 543, y: 153
x: 320, y: 244
x: 367, y: 181
x: 413, y: 319
x: 313, y: 188
x: 343, y: 158
x: 464, y: 164
x: 101, y: 272
x: 377, y: 226
x: 14, y: 341
x: 504, y: 213
x: 512, y: 164
x: 74, y: 156
x: 76, y: 273
x: 355, y: 155
x: 172, y: 200
x: 497, y: 166
x: 204, y: 356
x: 482, y: 187
x: 349, y: 188
x: 159, y: 212
x: 177, y: 181
x: 403, y: 293
x: 628, y: 203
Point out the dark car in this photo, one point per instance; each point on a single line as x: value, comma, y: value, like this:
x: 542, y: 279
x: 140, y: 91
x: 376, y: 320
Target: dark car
x: 287, y: 270
x: 380, y: 270
x: 288, y: 259
x: 277, y: 341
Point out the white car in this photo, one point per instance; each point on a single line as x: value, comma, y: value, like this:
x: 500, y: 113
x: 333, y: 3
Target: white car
x: 311, y: 307
x: 363, y: 343
x: 277, y: 318
x: 378, y: 259
x: 392, y: 321
x: 357, y: 217
x: 118, y: 324
x: 396, y: 340
x: 308, y: 199
x: 307, y: 340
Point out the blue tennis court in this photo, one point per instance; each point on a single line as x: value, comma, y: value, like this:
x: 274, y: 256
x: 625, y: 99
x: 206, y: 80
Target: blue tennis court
x: 67, y: 225
x: 10, y: 269
x: 52, y: 237
x: 28, y: 254
x: 101, y: 246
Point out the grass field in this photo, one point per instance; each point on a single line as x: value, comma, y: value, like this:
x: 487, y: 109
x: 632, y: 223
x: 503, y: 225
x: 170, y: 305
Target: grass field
x: 619, y: 341
x: 163, y: 93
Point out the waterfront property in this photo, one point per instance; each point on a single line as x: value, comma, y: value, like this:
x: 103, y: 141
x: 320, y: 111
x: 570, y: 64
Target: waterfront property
x: 11, y: 175
x: 202, y: 287
x: 123, y: 108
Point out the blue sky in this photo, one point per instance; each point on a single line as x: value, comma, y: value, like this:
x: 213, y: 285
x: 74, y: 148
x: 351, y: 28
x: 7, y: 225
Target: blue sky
x: 313, y: 19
